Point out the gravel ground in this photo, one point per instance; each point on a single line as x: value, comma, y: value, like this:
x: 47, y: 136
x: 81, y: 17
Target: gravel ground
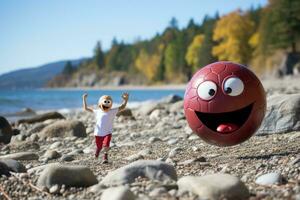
x: 257, y: 156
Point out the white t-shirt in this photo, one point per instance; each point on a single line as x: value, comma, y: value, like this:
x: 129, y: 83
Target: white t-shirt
x: 104, y: 121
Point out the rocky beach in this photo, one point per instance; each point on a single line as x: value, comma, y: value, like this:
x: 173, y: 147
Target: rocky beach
x: 154, y: 155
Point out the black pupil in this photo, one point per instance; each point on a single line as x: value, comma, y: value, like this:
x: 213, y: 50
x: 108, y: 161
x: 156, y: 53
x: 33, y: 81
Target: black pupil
x: 211, y: 92
x: 105, y: 101
x: 228, y: 90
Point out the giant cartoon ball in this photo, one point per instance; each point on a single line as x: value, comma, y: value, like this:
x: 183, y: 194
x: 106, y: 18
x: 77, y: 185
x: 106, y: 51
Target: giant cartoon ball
x: 224, y: 103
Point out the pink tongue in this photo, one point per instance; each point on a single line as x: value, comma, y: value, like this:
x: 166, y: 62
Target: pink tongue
x: 227, y: 128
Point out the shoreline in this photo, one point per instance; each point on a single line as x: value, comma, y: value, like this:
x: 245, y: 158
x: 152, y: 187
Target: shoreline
x: 124, y: 87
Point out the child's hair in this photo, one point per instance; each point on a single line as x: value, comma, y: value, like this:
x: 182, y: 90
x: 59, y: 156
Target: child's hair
x: 107, y: 97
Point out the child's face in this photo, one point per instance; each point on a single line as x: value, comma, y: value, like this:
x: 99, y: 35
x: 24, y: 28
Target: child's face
x: 105, y: 103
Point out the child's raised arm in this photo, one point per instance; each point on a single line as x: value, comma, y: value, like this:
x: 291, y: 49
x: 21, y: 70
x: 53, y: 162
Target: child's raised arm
x: 85, y: 107
x: 125, y: 100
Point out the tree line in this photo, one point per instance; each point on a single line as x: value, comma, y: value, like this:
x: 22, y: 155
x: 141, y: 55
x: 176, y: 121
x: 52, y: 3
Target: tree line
x: 249, y: 37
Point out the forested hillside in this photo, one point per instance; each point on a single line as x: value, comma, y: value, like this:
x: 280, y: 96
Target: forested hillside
x: 259, y: 37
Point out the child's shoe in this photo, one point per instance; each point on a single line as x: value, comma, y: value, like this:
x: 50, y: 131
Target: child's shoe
x: 105, y: 158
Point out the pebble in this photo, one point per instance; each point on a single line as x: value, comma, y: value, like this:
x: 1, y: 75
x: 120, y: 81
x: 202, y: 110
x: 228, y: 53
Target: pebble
x: 172, y: 141
x: 117, y: 193
x: 96, y: 188
x: 34, y: 137
x: 193, y: 137
x: 55, y: 145
x: 269, y: 179
x: 296, y: 161
x: 155, y: 114
x: 174, y: 152
x: 194, y: 160
x: 67, y: 158
x: 154, y: 139
x: 188, y: 130
x: 52, y: 154
x: 54, y: 189
x: 173, y: 192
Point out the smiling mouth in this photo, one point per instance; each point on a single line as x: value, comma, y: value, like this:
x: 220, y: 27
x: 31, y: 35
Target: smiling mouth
x: 104, y: 107
x: 226, y: 122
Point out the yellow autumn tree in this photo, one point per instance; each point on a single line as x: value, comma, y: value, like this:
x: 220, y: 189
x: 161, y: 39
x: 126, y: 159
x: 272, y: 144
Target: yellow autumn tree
x: 148, y: 64
x: 192, y: 54
x: 233, y: 32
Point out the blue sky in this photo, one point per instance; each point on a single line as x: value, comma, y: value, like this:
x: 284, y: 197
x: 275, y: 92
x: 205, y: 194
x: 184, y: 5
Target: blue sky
x: 35, y: 32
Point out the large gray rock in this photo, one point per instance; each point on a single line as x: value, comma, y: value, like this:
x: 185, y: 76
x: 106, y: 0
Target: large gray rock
x: 6, y: 132
x: 13, y: 165
x: 126, y: 113
x: 151, y: 169
x: 21, y: 156
x: 68, y: 175
x: 39, y: 169
x: 147, y: 108
x: 283, y: 114
x: 214, y: 186
x: 64, y: 128
x: 172, y: 98
x: 52, y: 154
x: 4, y: 170
x: 37, y: 128
x: 117, y: 193
x: 41, y: 118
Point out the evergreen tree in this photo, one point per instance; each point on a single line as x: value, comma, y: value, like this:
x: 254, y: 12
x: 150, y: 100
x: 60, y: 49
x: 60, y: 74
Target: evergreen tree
x: 161, y: 69
x: 68, y: 68
x: 280, y: 27
x: 205, y: 54
x: 174, y: 60
x: 191, y: 24
x: 99, y: 56
x: 173, y: 23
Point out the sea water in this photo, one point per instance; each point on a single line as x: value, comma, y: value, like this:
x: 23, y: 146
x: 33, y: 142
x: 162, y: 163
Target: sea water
x: 12, y: 101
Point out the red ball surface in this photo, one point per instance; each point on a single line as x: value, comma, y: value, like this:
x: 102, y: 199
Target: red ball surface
x: 224, y: 103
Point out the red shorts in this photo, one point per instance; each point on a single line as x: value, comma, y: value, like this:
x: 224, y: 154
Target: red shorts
x: 103, y: 141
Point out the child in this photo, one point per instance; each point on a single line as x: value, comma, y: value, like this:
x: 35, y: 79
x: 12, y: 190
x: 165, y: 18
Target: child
x: 104, y: 121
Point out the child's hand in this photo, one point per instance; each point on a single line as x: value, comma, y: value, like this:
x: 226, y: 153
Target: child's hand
x: 125, y: 96
x: 84, y: 96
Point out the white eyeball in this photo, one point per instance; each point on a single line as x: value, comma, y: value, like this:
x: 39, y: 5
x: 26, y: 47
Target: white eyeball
x: 233, y: 86
x: 207, y: 90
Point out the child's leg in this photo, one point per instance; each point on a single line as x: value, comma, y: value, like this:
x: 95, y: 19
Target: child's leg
x: 99, y: 141
x: 106, y: 144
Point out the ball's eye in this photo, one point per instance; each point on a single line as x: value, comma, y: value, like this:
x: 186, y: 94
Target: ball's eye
x: 233, y: 86
x: 207, y: 90
x: 105, y: 101
x: 108, y: 101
